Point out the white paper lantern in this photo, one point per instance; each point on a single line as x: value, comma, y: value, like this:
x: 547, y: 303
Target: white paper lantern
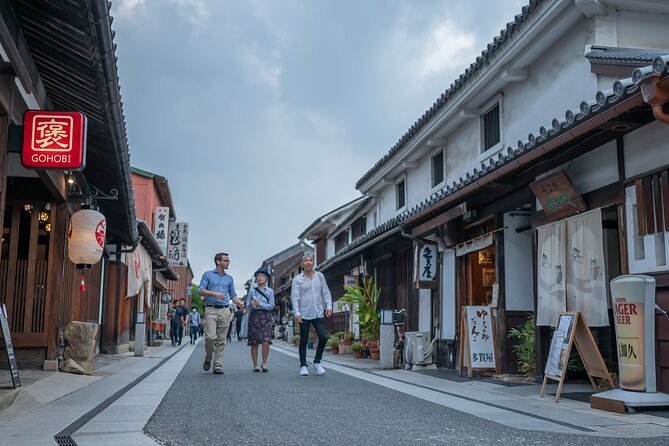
x: 86, y: 237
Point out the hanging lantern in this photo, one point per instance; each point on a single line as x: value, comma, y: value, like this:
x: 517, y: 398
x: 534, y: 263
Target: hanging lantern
x: 86, y: 238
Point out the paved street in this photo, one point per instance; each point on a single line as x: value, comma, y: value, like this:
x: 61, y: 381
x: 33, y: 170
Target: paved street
x: 279, y: 407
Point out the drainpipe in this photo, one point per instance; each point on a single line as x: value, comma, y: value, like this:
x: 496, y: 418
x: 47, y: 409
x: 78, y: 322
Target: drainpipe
x: 655, y: 91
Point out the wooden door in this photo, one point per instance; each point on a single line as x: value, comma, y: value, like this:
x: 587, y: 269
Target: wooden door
x: 24, y: 270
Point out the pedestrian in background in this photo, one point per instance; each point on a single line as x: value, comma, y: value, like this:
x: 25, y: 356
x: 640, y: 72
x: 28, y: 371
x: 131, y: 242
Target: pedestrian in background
x: 312, y: 303
x: 260, y: 302
x: 239, y: 314
x: 183, y: 313
x: 218, y: 289
x: 176, y: 324
x: 194, y: 321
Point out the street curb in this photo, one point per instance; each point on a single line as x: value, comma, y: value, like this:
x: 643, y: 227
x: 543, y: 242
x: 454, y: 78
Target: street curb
x: 64, y: 437
x: 7, y: 398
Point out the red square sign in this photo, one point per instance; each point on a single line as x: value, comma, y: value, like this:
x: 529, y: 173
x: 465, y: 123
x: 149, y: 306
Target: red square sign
x: 54, y: 140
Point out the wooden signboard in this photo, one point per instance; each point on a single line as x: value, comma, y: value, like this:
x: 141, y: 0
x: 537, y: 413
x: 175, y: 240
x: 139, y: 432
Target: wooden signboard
x: 573, y: 329
x: 9, y: 348
x: 558, y: 196
x: 426, y: 261
x: 478, y: 345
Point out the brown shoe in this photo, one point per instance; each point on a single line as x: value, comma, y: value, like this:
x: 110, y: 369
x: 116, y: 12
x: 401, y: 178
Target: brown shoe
x: 218, y: 372
x: 207, y: 365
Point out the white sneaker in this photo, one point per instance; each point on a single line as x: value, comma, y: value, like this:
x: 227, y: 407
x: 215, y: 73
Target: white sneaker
x: 318, y: 369
x: 304, y: 371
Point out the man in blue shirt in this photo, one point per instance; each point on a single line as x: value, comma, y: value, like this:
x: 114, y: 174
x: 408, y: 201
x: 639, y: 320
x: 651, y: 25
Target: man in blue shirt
x: 218, y: 291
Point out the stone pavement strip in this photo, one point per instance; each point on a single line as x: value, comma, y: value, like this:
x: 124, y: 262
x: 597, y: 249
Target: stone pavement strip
x: 61, y: 400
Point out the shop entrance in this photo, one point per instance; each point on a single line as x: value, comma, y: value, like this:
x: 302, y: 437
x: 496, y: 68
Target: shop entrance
x: 26, y: 241
x: 481, y: 275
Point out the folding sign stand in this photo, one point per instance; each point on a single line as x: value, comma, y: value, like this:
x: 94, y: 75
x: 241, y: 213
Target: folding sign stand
x: 9, y: 348
x: 473, y: 345
x: 573, y: 329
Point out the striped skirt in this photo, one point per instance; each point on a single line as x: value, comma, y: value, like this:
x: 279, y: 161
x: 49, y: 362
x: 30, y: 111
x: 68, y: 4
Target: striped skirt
x: 260, y: 327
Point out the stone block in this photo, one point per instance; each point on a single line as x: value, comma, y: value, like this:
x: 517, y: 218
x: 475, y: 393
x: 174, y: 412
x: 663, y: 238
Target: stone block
x: 79, y: 354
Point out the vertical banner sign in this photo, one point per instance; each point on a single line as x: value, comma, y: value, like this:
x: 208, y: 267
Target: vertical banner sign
x: 9, y: 347
x: 481, y: 343
x: 426, y: 266
x: 160, y: 227
x: 54, y: 140
x: 177, y: 244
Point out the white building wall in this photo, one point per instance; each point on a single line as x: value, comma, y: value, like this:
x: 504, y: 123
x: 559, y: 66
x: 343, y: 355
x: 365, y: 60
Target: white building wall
x: 646, y: 149
x: 518, y: 268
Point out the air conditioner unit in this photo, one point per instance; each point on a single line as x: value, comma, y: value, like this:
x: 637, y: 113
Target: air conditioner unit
x: 417, y: 350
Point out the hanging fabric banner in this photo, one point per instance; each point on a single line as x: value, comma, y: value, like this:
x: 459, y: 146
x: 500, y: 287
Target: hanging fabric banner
x: 586, y: 284
x: 474, y: 245
x: 551, y: 284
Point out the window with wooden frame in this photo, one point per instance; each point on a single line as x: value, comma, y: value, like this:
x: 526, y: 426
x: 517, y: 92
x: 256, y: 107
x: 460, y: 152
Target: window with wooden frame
x: 400, y: 194
x: 341, y: 240
x: 437, y: 168
x: 647, y: 215
x: 359, y: 227
x: 490, y: 128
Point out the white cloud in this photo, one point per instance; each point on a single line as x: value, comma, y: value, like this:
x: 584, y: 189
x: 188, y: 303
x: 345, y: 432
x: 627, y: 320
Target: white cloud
x: 128, y: 8
x: 421, y: 54
x: 195, y: 12
x: 263, y: 66
x: 446, y: 47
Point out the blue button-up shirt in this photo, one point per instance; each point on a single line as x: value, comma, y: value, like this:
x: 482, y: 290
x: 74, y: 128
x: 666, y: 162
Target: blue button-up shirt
x: 220, y: 283
x: 266, y: 303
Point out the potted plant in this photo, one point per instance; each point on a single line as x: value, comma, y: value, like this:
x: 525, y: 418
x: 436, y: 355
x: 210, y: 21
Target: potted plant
x: 296, y: 339
x: 333, y: 343
x: 525, y: 349
x: 365, y: 299
x: 348, y: 338
x: 357, y: 349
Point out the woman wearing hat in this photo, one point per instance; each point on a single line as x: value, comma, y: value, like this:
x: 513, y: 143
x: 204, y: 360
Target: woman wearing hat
x: 260, y: 302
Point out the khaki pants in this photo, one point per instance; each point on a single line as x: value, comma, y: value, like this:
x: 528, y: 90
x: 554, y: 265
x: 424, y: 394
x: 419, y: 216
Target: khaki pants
x: 216, y: 324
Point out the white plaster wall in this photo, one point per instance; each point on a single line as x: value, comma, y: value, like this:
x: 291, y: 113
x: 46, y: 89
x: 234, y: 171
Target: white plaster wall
x: 551, y: 89
x: 387, y: 203
x: 595, y: 169
x: 641, y: 30
x: 646, y: 149
x: 447, y: 328
x: 547, y: 93
x: 518, y: 263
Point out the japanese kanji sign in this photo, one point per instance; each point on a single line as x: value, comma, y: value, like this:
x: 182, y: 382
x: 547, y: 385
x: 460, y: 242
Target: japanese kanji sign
x: 481, y: 343
x: 177, y: 244
x: 54, y: 140
x: 425, y: 266
x: 161, y: 227
x: 558, y: 196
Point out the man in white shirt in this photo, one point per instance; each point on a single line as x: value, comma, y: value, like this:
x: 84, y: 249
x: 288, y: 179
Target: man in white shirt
x: 312, y: 303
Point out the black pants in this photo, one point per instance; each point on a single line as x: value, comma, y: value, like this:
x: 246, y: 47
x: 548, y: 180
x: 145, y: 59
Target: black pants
x: 238, y: 326
x: 319, y: 325
x: 193, y: 333
x: 175, y: 333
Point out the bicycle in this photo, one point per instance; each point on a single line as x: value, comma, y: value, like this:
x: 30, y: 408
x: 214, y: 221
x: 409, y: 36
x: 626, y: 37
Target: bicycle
x: 399, y: 318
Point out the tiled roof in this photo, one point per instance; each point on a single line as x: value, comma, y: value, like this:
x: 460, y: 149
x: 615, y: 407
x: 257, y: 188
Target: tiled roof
x: 487, y: 54
x: 620, y: 91
x: 632, y: 56
x: 352, y: 215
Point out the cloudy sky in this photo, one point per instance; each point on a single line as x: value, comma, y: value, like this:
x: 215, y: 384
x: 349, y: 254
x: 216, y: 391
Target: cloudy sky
x: 263, y: 114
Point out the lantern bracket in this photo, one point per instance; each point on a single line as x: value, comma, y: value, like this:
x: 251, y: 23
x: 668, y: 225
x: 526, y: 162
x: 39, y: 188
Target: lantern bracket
x: 95, y: 194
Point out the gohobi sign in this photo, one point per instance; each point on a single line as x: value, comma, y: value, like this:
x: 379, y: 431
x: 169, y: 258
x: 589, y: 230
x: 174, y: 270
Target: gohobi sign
x: 54, y: 140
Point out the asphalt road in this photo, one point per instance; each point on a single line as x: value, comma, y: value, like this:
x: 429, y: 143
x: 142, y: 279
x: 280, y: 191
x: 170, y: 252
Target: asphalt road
x: 281, y: 408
